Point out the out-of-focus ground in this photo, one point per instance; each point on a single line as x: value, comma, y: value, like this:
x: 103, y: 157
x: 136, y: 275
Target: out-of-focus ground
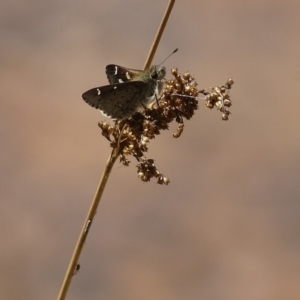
x: 228, y: 225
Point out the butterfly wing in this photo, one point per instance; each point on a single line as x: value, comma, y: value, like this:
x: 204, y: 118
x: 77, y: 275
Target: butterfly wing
x: 117, y: 74
x: 118, y: 101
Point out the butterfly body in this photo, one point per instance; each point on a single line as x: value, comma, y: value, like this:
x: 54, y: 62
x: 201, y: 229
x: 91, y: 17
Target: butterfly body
x: 129, y: 91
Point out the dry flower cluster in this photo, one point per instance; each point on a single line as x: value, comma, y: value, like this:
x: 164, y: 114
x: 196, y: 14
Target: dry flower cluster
x: 178, y: 101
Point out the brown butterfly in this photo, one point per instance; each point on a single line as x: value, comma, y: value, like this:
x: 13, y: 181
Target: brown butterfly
x: 129, y: 91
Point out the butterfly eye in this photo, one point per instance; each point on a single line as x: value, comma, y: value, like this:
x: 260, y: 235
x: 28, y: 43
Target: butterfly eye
x: 154, y: 75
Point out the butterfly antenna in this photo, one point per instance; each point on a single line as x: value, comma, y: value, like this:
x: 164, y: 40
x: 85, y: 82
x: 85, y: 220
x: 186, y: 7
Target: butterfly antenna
x: 168, y: 56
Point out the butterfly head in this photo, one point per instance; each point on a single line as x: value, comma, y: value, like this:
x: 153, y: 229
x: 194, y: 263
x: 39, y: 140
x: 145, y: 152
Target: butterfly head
x: 157, y: 72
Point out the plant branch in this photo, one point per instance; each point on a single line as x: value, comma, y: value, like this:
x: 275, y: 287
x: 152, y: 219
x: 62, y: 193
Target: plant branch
x: 159, y: 34
x: 104, y: 178
x: 87, y: 224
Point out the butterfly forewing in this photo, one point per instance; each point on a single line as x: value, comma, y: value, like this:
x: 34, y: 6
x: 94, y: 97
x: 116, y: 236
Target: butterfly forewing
x: 117, y: 74
x: 118, y: 101
x: 129, y: 91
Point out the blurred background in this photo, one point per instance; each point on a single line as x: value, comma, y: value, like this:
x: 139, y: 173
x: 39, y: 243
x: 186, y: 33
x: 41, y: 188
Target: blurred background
x: 228, y: 225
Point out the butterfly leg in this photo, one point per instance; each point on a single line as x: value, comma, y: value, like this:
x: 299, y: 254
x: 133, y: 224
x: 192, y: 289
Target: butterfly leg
x: 156, y: 102
x: 144, y: 105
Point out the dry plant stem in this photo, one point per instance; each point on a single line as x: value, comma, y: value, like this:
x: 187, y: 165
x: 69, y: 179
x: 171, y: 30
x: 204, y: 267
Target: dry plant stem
x: 159, y: 34
x: 87, y: 224
x: 109, y: 165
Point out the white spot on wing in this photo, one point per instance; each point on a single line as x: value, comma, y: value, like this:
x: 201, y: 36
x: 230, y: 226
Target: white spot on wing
x: 116, y: 70
x: 107, y: 115
x: 121, y: 81
x: 128, y: 76
x: 115, y: 87
x: 99, y: 92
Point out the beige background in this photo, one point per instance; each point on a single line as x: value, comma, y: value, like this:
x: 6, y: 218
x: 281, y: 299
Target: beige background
x: 228, y: 225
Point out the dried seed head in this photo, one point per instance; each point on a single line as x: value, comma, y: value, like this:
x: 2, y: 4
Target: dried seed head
x: 179, y: 131
x: 219, y: 97
x: 224, y: 116
x: 178, y: 101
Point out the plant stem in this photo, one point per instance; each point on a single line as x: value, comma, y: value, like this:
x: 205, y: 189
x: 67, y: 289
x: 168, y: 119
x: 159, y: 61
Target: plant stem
x: 159, y: 34
x: 87, y: 224
x: 109, y: 165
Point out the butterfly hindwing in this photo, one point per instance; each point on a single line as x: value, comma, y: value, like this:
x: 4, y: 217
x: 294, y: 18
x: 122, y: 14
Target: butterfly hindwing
x: 117, y: 74
x: 118, y: 101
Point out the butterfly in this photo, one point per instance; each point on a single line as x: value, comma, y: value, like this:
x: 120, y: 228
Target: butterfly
x: 129, y: 91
